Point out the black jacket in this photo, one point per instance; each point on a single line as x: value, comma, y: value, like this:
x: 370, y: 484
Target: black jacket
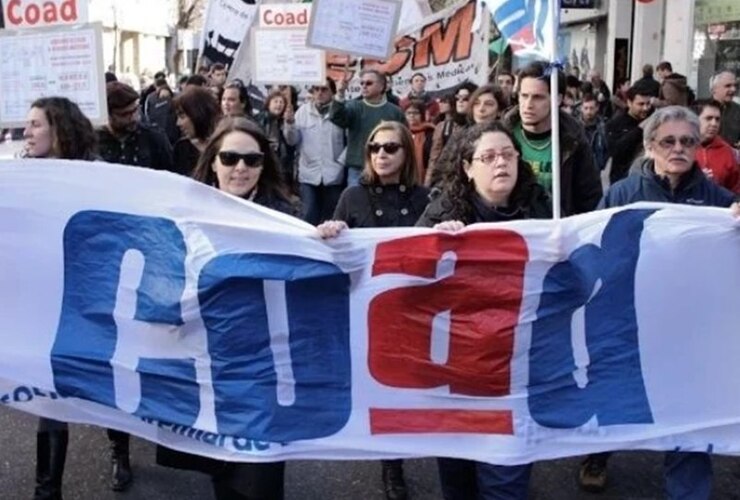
x: 624, y: 139
x: 442, y: 208
x: 580, y: 183
x: 381, y: 206
x: 144, y: 147
x: 254, y: 480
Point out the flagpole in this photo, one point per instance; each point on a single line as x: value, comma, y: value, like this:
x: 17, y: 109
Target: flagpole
x: 554, y: 5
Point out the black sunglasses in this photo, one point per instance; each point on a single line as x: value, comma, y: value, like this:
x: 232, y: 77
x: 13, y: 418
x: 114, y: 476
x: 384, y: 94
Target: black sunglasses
x: 389, y: 147
x: 231, y: 159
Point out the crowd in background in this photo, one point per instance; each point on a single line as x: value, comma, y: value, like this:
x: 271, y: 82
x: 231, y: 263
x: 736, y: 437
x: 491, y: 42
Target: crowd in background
x: 473, y: 154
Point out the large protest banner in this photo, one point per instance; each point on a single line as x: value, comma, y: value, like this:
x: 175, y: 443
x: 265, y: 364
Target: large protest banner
x: 444, y: 47
x: 60, y: 61
x: 144, y: 301
x: 225, y: 27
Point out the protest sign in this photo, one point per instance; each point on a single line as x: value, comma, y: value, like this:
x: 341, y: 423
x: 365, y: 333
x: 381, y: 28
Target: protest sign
x: 62, y: 61
x: 285, y: 15
x: 443, y: 47
x: 19, y: 14
x: 281, y: 57
x: 143, y: 301
x: 362, y: 27
x: 226, y: 25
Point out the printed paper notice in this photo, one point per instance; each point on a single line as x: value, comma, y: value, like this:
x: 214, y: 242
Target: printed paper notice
x: 360, y: 27
x: 281, y: 56
x: 51, y: 62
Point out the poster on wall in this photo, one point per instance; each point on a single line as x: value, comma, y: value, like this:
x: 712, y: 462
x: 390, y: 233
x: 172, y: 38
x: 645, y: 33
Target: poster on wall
x: 60, y: 61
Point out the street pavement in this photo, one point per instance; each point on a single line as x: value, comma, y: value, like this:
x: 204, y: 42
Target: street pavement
x: 632, y: 475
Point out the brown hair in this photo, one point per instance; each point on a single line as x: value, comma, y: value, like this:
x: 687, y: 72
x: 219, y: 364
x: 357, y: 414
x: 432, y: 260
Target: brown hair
x: 119, y: 95
x: 199, y: 104
x: 491, y: 89
x: 73, y: 136
x: 270, y: 181
x: 271, y: 97
x: 408, y: 169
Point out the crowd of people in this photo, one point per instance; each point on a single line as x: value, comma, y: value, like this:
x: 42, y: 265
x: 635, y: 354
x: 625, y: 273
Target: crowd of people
x: 473, y: 154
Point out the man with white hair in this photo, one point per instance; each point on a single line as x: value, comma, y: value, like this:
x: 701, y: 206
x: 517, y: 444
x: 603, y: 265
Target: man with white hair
x: 669, y: 173
x: 724, y: 87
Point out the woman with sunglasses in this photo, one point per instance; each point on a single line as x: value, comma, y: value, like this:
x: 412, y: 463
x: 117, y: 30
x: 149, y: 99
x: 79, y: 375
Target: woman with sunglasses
x: 55, y: 128
x: 485, y: 180
x: 388, y: 196
x: 238, y: 160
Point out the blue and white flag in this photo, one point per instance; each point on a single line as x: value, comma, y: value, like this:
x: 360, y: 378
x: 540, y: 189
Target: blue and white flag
x: 526, y: 25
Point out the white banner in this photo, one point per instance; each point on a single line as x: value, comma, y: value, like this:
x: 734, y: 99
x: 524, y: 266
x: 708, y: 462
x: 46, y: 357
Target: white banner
x: 169, y: 310
x: 62, y: 61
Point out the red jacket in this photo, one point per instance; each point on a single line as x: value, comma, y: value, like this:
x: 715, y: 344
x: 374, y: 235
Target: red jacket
x: 719, y: 162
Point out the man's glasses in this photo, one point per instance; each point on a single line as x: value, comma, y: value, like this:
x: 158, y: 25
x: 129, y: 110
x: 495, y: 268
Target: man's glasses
x: 367, y: 83
x: 670, y: 142
x: 389, y: 147
x: 231, y: 158
x: 320, y: 89
x: 490, y: 158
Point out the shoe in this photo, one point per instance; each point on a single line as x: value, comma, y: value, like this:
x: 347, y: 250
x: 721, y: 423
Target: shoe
x: 121, y: 474
x: 393, y: 483
x: 51, y: 453
x: 592, y: 475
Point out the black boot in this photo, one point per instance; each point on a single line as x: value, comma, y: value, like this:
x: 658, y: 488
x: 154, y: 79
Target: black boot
x: 393, y: 482
x: 121, y: 477
x: 51, y: 453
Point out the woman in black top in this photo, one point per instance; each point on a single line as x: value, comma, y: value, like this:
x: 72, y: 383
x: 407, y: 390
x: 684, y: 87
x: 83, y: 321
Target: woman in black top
x: 198, y: 113
x: 485, y: 180
x: 238, y: 160
x: 388, y: 196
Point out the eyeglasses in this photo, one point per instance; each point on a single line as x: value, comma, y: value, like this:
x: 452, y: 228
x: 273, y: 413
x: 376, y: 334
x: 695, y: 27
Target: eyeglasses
x: 367, y: 83
x: 669, y: 142
x: 320, y: 89
x: 231, y: 159
x: 126, y: 113
x: 389, y: 147
x: 490, y: 158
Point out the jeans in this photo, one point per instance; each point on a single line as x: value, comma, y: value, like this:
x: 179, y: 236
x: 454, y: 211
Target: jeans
x: 468, y: 480
x: 353, y: 176
x: 688, y: 476
x: 319, y: 202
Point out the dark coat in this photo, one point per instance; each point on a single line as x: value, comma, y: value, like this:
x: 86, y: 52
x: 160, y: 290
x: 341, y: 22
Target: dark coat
x: 694, y: 189
x: 381, y: 206
x: 580, y: 183
x: 624, y: 139
x: 144, y: 147
x: 442, y: 208
x: 254, y: 480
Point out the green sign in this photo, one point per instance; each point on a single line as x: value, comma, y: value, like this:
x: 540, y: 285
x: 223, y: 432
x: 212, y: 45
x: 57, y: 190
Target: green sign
x: 717, y: 11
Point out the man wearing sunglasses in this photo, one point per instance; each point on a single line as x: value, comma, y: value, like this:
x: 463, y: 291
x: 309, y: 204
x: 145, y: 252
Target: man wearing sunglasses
x: 320, y: 144
x: 669, y: 173
x: 359, y: 117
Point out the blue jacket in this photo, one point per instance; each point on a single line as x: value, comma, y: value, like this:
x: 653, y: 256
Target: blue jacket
x: 694, y: 189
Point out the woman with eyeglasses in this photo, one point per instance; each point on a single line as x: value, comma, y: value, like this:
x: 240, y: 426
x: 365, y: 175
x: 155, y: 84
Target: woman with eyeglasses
x: 55, y: 128
x: 484, y: 181
x: 197, y: 114
x: 238, y: 160
x: 485, y: 105
x: 388, y: 196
